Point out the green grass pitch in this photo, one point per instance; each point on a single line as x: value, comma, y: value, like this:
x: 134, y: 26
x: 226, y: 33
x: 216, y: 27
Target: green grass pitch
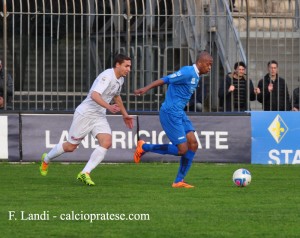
x: 268, y: 207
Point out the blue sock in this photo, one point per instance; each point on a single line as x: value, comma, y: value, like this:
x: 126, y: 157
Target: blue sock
x: 161, y: 149
x: 185, y: 165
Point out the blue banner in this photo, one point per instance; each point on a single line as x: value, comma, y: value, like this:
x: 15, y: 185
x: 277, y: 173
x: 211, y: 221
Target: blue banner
x: 275, y: 137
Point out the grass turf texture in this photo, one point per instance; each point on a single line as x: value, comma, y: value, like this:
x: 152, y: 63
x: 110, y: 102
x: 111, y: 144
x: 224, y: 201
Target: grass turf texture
x: 268, y: 207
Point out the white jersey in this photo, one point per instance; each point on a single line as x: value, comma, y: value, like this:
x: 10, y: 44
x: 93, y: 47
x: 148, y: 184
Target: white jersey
x: 108, y: 86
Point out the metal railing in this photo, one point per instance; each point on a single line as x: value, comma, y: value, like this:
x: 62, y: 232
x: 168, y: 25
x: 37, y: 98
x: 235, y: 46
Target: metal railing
x: 55, y: 49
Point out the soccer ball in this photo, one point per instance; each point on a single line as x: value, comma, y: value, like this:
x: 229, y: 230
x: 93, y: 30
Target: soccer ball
x: 241, y: 177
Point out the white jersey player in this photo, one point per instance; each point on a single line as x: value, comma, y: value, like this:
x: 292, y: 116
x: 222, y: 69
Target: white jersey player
x: 90, y: 117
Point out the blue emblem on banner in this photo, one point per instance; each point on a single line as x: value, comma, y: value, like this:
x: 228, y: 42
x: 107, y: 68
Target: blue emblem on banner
x: 275, y: 137
x: 278, y: 129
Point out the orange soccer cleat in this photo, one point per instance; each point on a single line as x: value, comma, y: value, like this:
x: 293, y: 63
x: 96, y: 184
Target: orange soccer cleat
x: 182, y: 184
x: 139, y: 151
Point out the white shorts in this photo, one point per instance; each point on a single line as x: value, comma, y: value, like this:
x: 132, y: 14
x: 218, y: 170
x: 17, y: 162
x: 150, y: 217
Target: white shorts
x: 81, y: 126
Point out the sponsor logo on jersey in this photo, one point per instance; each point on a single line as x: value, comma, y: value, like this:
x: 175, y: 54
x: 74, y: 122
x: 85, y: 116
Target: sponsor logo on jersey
x: 177, y: 74
x: 172, y: 75
x: 193, y: 81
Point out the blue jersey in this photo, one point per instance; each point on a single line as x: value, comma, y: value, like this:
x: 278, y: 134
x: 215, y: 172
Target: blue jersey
x: 181, y: 86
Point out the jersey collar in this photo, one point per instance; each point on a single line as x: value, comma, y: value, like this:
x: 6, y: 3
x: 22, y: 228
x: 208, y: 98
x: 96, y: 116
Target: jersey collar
x: 196, y: 69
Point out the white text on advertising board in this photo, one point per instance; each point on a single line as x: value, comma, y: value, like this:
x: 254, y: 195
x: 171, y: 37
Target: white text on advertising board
x: 126, y: 140
x: 284, y: 156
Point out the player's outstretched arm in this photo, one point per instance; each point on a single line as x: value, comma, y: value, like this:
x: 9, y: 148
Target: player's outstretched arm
x: 145, y: 89
x: 127, y: 118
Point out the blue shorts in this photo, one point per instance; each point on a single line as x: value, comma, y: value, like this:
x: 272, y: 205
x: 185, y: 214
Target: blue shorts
x: 175, y: 126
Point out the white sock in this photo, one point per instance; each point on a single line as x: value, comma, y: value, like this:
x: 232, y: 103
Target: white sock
x: 55, y: 152
x: 96, y: 157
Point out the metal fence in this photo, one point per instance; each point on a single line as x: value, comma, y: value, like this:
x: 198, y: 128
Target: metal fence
x: 55, y: 49
x: 269, y: 30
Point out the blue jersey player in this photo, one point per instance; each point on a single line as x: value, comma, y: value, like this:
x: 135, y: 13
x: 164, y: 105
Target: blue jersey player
x: 173, y: 118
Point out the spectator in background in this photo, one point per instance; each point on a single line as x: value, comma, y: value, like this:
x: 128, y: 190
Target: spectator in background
x: 9, y: 87
x: 232, y: 6
x: 272, y: 91
x: 233, y: 90
x: 296, y: 99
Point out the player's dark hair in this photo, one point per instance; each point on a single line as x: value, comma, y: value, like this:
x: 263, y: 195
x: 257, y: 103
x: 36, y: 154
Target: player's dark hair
x: 241, y: 63
x: 272, y: 62
x: 120, y: 58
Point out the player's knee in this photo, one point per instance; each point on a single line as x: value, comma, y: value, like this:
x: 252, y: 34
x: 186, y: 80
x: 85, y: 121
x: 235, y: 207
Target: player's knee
x: 106, y: 144
x: 193, y: 146
x: 105, y: 141
x: 182, y: 150
x: 70, y: 147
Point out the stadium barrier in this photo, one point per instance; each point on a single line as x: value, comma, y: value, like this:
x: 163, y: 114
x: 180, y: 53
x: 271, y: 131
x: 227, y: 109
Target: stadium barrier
x: 275, y: 137
x: 10, y: 146
x: 224, y: 138
x: 262, y: 138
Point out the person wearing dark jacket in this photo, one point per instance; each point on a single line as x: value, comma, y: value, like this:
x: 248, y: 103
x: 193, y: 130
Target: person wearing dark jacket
x: 272, y: 91
x: 233, y: 90
x: 9, y: 87
x: 296, y: 99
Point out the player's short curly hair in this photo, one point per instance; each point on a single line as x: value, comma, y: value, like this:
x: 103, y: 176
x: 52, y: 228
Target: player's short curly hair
x: 120, y: 58
x: 203, y: 56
